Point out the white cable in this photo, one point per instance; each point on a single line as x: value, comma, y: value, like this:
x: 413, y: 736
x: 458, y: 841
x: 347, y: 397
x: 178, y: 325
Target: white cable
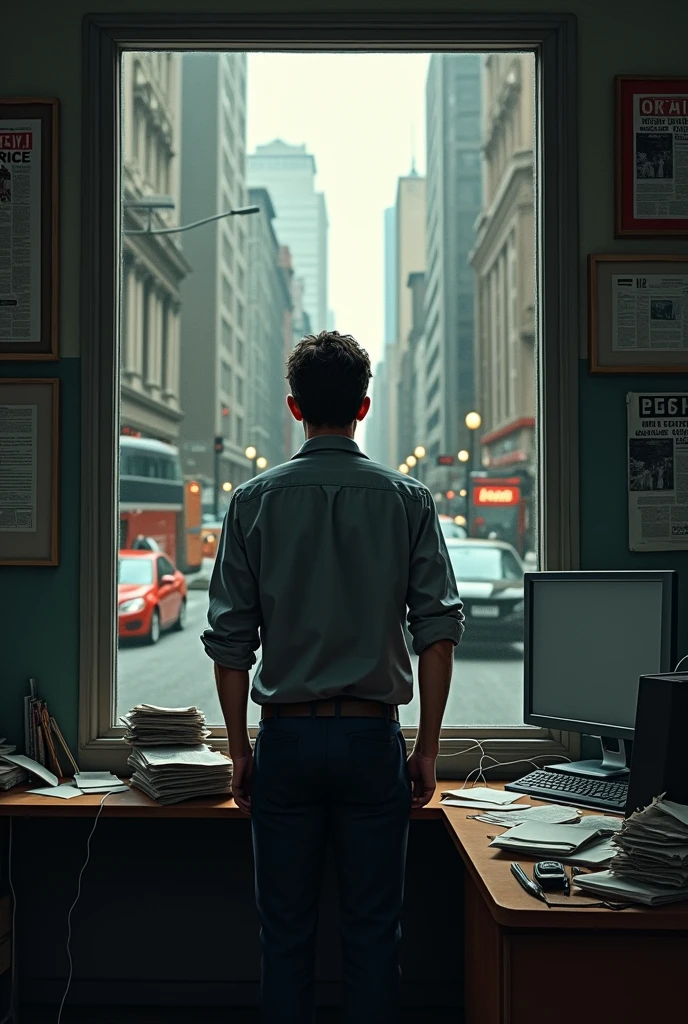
x: 69, y: 915
x: 685, y: 656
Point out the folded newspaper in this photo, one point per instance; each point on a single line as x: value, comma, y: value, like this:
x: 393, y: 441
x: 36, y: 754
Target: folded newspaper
x: 175, y: 773
x: 149, y: 725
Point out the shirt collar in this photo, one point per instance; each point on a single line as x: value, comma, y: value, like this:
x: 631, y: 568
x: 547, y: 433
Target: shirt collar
x: 330, y: 442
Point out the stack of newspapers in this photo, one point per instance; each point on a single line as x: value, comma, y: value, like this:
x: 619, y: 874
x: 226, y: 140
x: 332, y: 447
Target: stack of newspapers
x: 172, y: 774
x: 169, y: 761
x: 10, y: 774
x: 150, y: 726
x: 651, y: 861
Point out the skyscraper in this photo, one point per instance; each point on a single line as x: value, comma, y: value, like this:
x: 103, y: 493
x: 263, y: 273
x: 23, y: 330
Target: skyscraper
x: 214, y: 340
x: 376, y: 424
x: 153, y: 266
x: 454, y: 191
x: 288, y: 173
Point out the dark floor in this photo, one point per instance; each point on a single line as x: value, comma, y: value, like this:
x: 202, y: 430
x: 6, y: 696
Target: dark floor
x: 198, y: 1015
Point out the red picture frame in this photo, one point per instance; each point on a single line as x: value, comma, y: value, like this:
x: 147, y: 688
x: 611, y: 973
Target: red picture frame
x: 648, y: 115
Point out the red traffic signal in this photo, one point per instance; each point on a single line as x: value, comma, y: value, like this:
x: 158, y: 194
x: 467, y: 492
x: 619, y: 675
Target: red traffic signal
x: 219, y: 444
x: 225, y: 410
x: 450, y: 495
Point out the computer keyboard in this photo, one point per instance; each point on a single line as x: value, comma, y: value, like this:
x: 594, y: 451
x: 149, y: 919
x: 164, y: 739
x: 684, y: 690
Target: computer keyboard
x: 578, y: 790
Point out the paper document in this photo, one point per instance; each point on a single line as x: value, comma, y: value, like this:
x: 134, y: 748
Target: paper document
x: 516, y: 815
x: 483, y: 795
x: 33, y: 767
x: 623, y: 890
x: 66, y: 791
x: 482, y: 806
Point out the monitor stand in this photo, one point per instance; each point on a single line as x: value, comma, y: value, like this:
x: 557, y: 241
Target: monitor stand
x: 614, y: 763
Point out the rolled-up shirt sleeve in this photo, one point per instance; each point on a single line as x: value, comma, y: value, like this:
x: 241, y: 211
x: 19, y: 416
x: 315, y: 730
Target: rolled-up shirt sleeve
x: 234, y: 613
x: 435, y: 611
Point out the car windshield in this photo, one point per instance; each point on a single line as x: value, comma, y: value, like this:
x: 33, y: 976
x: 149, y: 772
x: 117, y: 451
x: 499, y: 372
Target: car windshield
x: 452, y: 530
x: 484, y: 563
x: 136, y: 570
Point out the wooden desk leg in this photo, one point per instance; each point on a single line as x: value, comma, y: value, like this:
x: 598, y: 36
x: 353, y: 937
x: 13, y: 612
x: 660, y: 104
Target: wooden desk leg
x: 486, y: 967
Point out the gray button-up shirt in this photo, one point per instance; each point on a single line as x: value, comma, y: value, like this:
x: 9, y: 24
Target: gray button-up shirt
x: 318, y: 562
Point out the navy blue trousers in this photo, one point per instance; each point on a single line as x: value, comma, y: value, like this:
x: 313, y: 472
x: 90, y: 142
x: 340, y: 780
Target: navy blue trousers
x: 344, y: 780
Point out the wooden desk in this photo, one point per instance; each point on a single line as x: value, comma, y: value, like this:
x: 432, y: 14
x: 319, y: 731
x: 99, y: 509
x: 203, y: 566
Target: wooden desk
x: 524, y: 963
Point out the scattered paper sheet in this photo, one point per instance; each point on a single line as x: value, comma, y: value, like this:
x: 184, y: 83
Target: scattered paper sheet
x: 66, y: 791
x: 33, y: 767
x: 481, y: 794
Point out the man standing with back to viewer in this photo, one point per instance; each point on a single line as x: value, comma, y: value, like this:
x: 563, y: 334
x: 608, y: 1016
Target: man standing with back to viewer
x: 318, y: 562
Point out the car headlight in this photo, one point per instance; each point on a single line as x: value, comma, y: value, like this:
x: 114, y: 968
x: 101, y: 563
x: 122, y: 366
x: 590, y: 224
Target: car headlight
x: 137, y: 604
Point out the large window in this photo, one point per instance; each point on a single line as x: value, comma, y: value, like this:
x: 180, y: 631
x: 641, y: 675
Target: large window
x: 463, y: 399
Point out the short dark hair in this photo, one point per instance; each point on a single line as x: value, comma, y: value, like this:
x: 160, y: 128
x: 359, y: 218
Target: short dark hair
x: 329, y: 375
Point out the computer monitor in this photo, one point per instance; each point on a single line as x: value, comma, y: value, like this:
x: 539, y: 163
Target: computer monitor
x: 589, y: 636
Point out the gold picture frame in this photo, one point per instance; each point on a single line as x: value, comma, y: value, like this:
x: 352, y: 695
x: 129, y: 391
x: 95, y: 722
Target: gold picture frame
x: 29, y: 481
x: 607, y: 275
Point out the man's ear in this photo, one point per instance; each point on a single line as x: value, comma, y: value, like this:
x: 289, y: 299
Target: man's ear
x: 294, y: 408
x: 363, y: 411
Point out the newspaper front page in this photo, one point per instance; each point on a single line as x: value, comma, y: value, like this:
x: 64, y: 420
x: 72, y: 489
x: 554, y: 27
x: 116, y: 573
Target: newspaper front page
x: 657, y: 471
x: 650, y: 313
x: 18, y: 457
x: 660, y: 131
x: 20, y: 230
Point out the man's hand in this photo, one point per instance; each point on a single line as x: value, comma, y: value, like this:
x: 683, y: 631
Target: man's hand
x: 422, y: 773
x: 242, y: 775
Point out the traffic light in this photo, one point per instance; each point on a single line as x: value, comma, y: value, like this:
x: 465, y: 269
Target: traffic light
x: 225, y: 410
x: 219, y: 444
x: 450, y: 495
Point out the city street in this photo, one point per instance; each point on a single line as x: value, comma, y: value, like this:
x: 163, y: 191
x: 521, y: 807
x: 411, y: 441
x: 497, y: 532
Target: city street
x: 486, y: 689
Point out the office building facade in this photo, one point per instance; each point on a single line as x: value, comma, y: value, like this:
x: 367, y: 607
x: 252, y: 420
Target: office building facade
x: 288, y: 173
x: 377, y: 422
x: 153, y: 266
x: 504, y: 263
x: 268, y: 324
x: 214, y: 350
x: 454, y: 194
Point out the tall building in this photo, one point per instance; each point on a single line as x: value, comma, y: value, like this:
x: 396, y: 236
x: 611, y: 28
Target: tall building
x: 153, y: 266
x: 454, y: 191
x: 390, y: 275
x: 410, y: 387
x: 268, y: 321
x: 377, y: 426
x: 409, y: 261
x: 214, y: 357
x: 504, y: 263
x: 288, y: 173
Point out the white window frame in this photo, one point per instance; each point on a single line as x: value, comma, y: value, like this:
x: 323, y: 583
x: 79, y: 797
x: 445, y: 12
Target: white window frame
x: 552, y: 38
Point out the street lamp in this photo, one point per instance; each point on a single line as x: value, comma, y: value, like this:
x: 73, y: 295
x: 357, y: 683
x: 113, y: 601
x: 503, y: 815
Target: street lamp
x: 252, y: 455
x: 261, y: 462
x: 152, y: 203
x: 226, y: 487
x: 411, y: 461
x: 473, y: 421
x: 403, y: 468
x: 419, y: 452
x: 463, y: 455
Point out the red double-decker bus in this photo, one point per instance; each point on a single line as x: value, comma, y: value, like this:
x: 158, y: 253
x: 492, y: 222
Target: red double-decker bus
x: 155, y: 501
x: 501, y: 508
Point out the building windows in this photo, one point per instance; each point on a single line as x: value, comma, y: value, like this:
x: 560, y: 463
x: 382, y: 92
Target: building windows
x: 227, y: 336
x: 240, y: 431
x: 227, y: 171
x: 228, y: 254
x: 227, y: 294
x: 240, y: 314
x: 240, y: 390
x: 226, y: 378
x: 240, y: 352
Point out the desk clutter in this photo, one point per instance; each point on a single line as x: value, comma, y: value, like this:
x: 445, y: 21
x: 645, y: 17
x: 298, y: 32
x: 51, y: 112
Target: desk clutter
x: 650, y: 863
x: 10, y: 774
x: 43, y: 739
x: 169, y: 762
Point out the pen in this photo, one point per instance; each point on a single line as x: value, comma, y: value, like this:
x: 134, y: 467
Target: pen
x: 532, y: 888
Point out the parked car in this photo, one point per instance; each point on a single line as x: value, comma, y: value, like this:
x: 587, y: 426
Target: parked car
x: 210, y: 533
x: 151, y: 595
x: 489, y: 575
x: 451, y: 529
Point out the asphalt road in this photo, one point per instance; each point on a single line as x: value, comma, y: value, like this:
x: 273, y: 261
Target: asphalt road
x: 486, y: 690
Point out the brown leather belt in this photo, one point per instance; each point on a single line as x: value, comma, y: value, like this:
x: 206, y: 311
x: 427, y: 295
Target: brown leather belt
x: 348, y: 708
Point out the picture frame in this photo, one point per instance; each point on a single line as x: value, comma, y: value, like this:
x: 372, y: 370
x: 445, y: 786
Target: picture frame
x: 637, y: 313
x: 649, y: 195
x: 29, y: 483
x: 29, y: 186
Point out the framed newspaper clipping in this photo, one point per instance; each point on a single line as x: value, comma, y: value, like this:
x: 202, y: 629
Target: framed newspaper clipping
x: 28, y: 229
x: 638, y: 313
x: 651, y: 122
x: 657, y: 450
x: 29, y: 428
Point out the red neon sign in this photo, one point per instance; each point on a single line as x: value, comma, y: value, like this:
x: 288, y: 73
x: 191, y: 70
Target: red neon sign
x: 501, y: 494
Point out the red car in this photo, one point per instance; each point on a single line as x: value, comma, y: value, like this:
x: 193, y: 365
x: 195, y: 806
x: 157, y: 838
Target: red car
x: 151, y: 595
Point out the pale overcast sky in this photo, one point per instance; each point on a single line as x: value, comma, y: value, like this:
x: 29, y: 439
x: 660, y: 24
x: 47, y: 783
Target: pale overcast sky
x: 362, y: 116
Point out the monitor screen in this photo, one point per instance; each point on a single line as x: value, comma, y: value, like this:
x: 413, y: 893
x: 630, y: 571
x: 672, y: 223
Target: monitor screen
x: 589, y: 640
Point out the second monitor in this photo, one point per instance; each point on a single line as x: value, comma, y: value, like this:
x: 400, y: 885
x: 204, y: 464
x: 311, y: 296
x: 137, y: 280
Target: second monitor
x: 589, y: 636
